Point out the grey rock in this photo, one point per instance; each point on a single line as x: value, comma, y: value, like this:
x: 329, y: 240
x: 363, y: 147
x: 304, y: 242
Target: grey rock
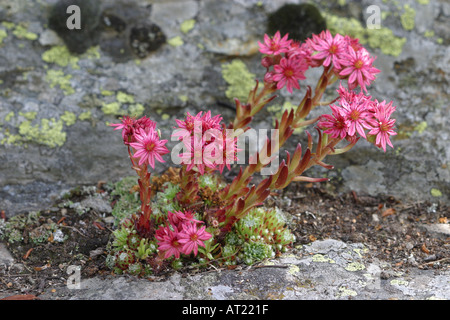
x: 441, y: 230
x: 6, y: 258
x: 290, y: 277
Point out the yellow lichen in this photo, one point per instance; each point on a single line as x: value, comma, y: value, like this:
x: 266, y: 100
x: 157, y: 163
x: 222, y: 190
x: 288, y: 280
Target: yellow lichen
x: 382, y: 38
x: 355, y: 266
x: 57, y: 77
x: 175, y: 41
x: 322, y: 258
x: 187, y: 25
x: 61, y: 56
x: 3, y: 35
x: 239, y: 79
x: 408, y: 17
x: 85, y: 115
x: 436, y: 192
x: 22, y: 32
x: 69, y: 118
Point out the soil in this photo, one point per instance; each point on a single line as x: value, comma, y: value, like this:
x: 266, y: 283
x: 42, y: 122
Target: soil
x: 392, y: 230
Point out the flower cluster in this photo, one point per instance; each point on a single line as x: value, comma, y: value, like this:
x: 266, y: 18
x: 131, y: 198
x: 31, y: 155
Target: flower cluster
x: 343, y: 56
x: 183, y: 235
x: 194, y: 210
x: 356, y: 113
x: 207, y: 144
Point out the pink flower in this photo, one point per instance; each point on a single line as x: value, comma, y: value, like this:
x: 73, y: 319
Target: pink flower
x: 148, y: 146
x: 130, y: 125
x: 169, y: 242
x: 191, y: 238
x: 330, y: 49
x: 275, y: 45
x: 289, y: 72
x: 177, y: 218
x: 335, y: 125
x: 358, y: 67
x: 382, y: 125
x: 355, y: 110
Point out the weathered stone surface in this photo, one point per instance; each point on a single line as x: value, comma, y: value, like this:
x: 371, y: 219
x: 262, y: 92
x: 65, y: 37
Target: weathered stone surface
x: 54, y: 105
x: 328, y: 269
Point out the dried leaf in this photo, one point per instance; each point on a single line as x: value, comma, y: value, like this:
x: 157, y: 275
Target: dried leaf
x: 26, y: 255
x: 388, y: 212
x: 42, y: 268
x: 425, y: 249
x: 443, y: 220
x: 312, y: 238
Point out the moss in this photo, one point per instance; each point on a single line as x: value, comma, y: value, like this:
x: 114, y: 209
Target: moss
x: 382, y: 38
x: 57, y: 77
x: 69, y: 118
x: 85, y: 115
x: 175, y: 41
x: 407, y: 18
x: 436, y: 192
x: 61, y: 56
x: 187, y: 25
x: 3, y: 35
x: 22, y: 32
x: 239, y: 79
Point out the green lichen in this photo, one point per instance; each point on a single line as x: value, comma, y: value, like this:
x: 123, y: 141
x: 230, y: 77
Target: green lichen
x: 293, y: 269
x: 187, y: 25
x: 354, y: 266
x: 136, y: 110
x: 123, y: 97
x: 382, y: 38
x: 92, y: 53
x: 436, y: 192
x: 345, y: 292
x: 399, y: 282
x: 407, y: 18
x: 113, y: 108
x: 9, y: 116
x: 3, y: 35
x: 183, y: 97
x: 420, y: 128
x: 48, y: 132
x: 61, y: 56
x: 69, y: 118
x: 239, y: 79
x: 175, y: 41
x: 85, y: 115
x: 321, y: 258
x: 107, y: 93
x: 28, y: 115
x: 22, y: 32
x: 429, y: 34
x: 57, y: 77
x: 423, y: 2
x: 165, y: 116
x: 8, y: 25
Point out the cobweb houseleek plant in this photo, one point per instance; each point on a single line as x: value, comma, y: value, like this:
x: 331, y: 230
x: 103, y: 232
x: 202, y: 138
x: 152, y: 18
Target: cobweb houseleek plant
x: 210, y: 221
